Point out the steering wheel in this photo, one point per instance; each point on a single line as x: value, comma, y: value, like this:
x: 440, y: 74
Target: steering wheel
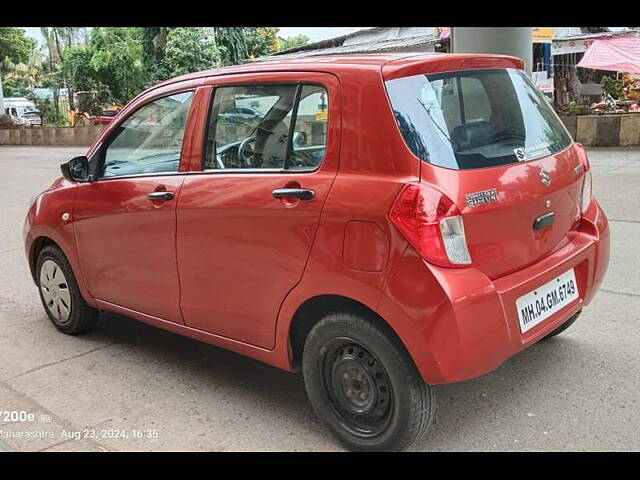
x: 242, y: 153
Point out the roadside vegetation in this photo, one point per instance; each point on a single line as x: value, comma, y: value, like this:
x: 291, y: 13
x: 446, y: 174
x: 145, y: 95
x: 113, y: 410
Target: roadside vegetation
x: 117, y: 63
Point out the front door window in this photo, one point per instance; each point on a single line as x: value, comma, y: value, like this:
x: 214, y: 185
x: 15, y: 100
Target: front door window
x: 150, y: 140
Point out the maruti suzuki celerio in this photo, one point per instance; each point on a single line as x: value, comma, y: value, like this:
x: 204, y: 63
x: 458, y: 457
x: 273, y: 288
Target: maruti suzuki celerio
x: 382, y: 222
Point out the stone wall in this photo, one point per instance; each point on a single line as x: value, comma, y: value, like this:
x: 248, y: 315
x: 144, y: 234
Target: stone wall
x: 80, y: 136
x: 605, y: 130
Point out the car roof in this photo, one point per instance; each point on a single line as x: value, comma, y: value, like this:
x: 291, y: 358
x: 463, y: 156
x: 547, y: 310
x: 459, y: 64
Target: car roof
x: 341, y: 62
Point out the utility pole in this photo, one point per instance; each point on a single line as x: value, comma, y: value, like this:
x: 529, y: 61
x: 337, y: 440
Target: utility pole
x: 514, y: 41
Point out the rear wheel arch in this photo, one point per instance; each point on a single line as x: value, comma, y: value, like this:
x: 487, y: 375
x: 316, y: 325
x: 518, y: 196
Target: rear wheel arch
x: 316, y: 308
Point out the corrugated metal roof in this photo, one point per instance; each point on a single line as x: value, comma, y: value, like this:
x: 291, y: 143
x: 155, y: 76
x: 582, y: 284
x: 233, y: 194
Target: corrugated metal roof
x: 367, y: 47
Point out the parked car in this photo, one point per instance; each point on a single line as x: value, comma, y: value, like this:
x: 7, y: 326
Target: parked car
x: 107, y: 115
x: 438, y: 220
x: 33, y: 118
x: 239, y: 114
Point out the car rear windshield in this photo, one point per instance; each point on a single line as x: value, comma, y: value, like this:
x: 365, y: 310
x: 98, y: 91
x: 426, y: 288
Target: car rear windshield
x: 475, y: 118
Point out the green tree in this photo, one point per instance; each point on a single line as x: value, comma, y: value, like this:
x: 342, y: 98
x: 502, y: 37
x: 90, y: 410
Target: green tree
x: 154, y: 45
x: 232, y: 44
x: 187, y: 50
x: 15, y: 87
x: 261, y: 41
x: 15, y: 45
x: 78, y: 69
x: 51, y: 66
x: 116, y: 59
x: 292, y: 42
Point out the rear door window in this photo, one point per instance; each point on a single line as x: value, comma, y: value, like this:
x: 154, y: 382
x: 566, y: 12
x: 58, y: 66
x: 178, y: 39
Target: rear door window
x: 285, y: 129
x: 475, y: 118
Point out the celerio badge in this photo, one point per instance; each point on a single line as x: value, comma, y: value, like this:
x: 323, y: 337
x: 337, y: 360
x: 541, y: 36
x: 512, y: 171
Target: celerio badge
x: 480, y: 198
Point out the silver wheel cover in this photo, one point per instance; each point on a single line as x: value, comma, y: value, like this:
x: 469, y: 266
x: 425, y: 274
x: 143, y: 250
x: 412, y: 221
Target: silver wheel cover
x: 55, y: 291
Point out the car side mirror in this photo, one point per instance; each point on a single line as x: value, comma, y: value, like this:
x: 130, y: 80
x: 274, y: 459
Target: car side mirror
x: 299, y: 138
x: 76, y: 169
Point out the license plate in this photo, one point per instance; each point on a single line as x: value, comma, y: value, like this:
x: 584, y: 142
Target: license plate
x: 547, y: 299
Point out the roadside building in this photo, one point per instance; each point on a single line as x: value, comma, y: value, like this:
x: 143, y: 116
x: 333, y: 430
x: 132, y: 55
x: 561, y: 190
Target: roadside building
x: 556, y: 53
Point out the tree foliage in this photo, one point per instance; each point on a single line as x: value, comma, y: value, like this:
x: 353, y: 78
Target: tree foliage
x: 15, y: 45
x: 154, y: 44
x: 261, y: 41
x: 187, y: 50
x: 119, y: 62
x: 110, y: 62
x: 237, y: 44
x: 292, y: 42
x: 232, y: 44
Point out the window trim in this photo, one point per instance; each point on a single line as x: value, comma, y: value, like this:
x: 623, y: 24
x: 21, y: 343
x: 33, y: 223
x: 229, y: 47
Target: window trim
x: 99, y: 154
x: 285, y: 171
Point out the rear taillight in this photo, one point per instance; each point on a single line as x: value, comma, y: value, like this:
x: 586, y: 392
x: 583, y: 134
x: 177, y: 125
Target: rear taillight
x: 585, y: 194
x: 433, y: 224
x: 585, y: 199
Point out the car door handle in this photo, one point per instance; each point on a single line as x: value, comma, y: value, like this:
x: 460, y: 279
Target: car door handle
x: 301, y: 193
x: 160, y: 196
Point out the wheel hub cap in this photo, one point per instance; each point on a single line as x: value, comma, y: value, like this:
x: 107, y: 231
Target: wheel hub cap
x: 55, y: 291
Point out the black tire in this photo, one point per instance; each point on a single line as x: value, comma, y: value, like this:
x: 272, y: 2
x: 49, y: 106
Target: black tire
x: 81, y: 317
x: 348, y: 350
x: 564, y: 326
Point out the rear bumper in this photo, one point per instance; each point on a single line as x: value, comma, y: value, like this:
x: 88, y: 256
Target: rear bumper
x: 473, y: 327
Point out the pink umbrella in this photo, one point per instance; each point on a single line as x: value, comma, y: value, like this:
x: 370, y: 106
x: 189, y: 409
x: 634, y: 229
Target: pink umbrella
x: 615, y: 54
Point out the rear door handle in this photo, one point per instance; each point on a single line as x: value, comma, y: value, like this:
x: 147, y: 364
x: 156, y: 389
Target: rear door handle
x: 160, y: 196
x: 301, y: 193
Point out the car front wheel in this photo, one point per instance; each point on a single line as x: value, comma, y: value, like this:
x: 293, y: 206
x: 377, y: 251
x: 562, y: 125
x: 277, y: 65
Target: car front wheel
x: 363, y: 385
x: 60, y: 294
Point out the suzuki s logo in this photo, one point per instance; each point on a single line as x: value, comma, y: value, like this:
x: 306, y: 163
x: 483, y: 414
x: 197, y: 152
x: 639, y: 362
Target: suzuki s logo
x: 545, y: 177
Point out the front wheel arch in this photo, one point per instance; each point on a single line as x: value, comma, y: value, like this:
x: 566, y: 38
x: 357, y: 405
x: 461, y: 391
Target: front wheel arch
x: 36, y: 247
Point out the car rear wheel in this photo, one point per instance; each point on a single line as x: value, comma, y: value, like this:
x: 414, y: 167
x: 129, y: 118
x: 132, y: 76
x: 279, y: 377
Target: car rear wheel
x: 60, y: 294
x: 363, y: 385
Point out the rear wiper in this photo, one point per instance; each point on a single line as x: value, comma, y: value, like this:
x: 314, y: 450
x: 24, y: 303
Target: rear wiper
x: 427, y: 109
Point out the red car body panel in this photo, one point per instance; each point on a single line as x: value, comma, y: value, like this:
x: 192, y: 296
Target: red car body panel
x: 128, y: 244
x: 227, y: 264
x: 231, y: 232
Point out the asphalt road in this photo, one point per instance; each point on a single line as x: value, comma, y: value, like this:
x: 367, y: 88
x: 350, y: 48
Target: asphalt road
x: 579, y: 391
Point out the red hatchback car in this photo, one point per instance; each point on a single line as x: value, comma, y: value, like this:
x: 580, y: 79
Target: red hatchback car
x: 382, y: 222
